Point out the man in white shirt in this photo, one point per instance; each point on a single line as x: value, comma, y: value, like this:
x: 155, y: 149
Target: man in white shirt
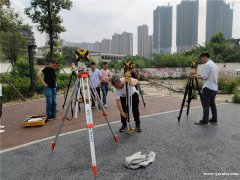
x: 95, y: 76
x: 209, y: 89
x: 120, y: 93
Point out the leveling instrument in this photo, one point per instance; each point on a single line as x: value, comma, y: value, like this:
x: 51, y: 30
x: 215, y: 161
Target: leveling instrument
x: 84, y: 83
x: 128, y: 66
x: 189, y: 89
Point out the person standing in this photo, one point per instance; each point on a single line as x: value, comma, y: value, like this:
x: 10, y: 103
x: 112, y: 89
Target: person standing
x: 120, y: 93
x: 95, y: 76
x: 1, y: 127
x: 47, y: 76
x: 106, y: 76
x: 209, y: 89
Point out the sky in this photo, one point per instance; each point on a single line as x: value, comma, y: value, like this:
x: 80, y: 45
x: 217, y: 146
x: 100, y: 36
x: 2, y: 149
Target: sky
x: 92, y: 20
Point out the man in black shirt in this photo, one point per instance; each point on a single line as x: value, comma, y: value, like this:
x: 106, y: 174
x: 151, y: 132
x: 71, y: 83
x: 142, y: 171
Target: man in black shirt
x: 49, y: 83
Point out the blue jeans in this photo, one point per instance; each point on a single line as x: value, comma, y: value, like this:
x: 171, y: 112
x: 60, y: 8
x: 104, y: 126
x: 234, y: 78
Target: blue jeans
x: 104, y: 87
x: 51, y: 104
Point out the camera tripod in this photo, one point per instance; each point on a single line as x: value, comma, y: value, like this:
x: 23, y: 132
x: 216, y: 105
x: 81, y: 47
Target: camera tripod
x: 189, y: 91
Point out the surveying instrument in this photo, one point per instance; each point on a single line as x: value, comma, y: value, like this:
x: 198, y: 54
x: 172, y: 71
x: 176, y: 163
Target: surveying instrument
x: 128, y: 66
x: 189, y: 90
x: 83, y: 83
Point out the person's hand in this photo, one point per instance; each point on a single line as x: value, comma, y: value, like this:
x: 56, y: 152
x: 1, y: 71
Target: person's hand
x: 45, y: 85
x: 123, y: 114
x: 193, y: 75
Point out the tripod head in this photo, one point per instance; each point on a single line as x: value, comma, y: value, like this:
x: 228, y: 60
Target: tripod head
x: 193, y: 66
x: 128, y: 67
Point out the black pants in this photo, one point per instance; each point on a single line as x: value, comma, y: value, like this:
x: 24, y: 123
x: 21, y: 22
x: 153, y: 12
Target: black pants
x: 135, y: 103
x: 208, y: 100
x: 93, y: 96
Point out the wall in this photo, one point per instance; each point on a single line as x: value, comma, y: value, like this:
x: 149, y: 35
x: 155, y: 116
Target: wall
x: 165, y: 72
x: 225, y: 70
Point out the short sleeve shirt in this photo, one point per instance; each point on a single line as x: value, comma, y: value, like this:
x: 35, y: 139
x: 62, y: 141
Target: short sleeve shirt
x: 210, y: 75
x: 49, y: 77
x: 122, y: 92
x: 95, y: 77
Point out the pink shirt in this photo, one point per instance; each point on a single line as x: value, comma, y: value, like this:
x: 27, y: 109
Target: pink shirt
x: 106, y: 75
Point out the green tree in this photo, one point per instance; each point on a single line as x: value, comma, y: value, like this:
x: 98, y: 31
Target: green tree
x: 13, y: 45
x: 9, y: 19
x: 46, y: 14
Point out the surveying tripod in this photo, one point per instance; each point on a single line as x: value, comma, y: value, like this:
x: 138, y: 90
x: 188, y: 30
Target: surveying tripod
x: 128, y: 66
x: 84, y: 82
x: 189, y: 89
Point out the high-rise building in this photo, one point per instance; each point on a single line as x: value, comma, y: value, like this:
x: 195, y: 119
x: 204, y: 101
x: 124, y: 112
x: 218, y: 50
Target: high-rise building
x: 149, y: 45
x: 116, y: 43
x: 219, y: 19
x: 122, y: 43
x: 143, y: 47
x: 187, y: 25
x: 162, y: 29
x: 105, y: 45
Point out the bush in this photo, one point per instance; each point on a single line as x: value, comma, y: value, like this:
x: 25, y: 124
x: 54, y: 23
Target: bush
x: 236, y: 96
x: 228, y: 84
x: 22, y: 84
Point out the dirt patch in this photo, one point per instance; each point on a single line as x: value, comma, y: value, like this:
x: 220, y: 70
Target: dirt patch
x: 149, y: 88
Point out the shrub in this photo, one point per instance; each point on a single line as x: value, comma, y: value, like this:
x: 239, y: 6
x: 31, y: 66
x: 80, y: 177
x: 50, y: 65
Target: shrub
x: 236, y: 96
x: 228, y: 84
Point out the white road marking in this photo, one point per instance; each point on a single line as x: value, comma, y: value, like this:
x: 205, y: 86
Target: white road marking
x: 79, y: 130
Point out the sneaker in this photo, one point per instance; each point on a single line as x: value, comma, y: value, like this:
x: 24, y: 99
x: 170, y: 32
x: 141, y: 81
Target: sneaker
x: 138, y: 128
x: 51, y: 118
x: 105, y: 105
x: 2, y: 126
x: 201, y: 123
x: 123, y: 128
x: 2, y: 131
x: 93, y: 107
x: 212, y: 121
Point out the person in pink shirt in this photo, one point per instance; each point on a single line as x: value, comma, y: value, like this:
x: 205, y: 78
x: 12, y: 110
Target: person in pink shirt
x: 106, y: 76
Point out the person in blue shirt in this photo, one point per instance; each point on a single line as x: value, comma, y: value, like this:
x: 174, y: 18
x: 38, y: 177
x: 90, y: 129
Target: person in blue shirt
x: 95, y: 76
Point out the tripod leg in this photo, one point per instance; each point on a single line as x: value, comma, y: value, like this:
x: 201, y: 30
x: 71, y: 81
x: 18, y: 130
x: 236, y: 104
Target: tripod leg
x: 104, y: 112
x: 184, y: 99
x: 68, y: 87
x: 128, y: 108
x: 66, y: 109
x: 77, y: 101
x: 89, y: 122
x: 199, y: 92
x: 140, y: 91
x: 189, y: 95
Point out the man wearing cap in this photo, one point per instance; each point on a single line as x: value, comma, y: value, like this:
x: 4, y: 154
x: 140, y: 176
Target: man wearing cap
x: 209, y: 89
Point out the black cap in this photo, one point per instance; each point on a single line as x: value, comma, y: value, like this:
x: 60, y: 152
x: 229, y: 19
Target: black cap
x: 205, y: 53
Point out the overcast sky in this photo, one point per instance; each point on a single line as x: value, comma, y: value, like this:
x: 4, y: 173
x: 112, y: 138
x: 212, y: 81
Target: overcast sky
x: 93, y: 20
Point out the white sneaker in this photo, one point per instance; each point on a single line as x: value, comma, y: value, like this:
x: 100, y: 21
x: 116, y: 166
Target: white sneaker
x: 2, y: 126
x: 105, y: 105
x: 2, y: 131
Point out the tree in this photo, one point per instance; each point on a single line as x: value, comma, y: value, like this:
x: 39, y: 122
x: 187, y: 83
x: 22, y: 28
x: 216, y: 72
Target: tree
x: 9, y: 20
x: 13, y: 44
x: 46, y: 14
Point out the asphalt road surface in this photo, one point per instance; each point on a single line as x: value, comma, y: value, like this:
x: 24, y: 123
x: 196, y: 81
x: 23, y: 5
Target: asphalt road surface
x: 183, y: 151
